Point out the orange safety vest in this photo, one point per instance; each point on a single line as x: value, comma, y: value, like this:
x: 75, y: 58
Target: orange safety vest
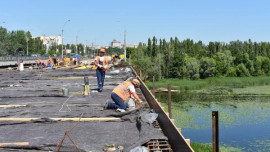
x: 122, y: 90
x: 48, y: 61
x: 97, y: 62
x: 38, y: 61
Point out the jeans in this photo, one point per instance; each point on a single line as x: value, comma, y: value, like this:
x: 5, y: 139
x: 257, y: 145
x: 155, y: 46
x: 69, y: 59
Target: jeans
x: 100, y: 78
x: 118, y: 102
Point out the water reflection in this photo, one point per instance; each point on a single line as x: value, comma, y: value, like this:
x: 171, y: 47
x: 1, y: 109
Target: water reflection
x: 244, y: 120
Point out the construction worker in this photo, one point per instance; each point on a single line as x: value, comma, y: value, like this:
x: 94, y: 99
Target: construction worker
x: 100, y: 65
x: 40, y: 63
x: 77, y: 58
x: 122, y: 93
x: 49, y: 63
x: 74, y: 60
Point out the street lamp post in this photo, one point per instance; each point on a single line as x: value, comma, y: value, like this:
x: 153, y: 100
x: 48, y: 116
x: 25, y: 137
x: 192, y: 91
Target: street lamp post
x: 27, y: 39
x: 77, y: 41
x: 125, y: 46
x: 63, y: 36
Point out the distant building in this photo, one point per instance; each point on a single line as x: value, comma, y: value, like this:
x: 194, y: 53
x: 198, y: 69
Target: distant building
x: 95, y: 47
x: 116, y: 44
x: 49, y: 41
x: 133, y: 45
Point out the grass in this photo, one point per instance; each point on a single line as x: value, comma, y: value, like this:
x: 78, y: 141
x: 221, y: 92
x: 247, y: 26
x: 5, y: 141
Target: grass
x: 239, y: 81
x: 179, y: 84
x: 234, y: 82
x: 198, y: 147
x: 207, y: 147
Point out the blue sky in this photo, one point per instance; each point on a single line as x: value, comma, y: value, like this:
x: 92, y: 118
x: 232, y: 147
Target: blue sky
x: 101, y: 21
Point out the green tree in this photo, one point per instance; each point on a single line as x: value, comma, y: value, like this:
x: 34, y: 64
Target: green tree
x: 177, y: 62
x: 207, y: 67
x: 265, y: 67
x: 192, y: 68
x: 248, y: 63
x: 231, y: 72
x: 154, y: 47
x: 149, y: 47
x: 242, y: 71
x: 224, y: 61
x: 258, y: 66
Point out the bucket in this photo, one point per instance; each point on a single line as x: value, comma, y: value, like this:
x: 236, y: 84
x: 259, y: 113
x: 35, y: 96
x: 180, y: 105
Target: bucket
x: 131, y: 104
x: 65, y: 92
x: 86, y: 90
x: 21, y: 68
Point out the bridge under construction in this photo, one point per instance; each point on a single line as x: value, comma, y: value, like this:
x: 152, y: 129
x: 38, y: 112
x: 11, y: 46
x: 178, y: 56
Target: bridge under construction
x: 36, y: 114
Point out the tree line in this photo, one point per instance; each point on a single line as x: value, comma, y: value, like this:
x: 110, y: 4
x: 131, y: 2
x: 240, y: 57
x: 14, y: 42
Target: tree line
x: 193, y: 60
x: 11, y: 42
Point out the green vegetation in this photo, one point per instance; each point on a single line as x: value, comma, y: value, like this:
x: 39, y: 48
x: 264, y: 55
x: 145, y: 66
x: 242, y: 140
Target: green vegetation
x: 193, y: 60
x: 198, y: 147
x: 230, y: 82
x: 179, y: 84
x: 207, y: 147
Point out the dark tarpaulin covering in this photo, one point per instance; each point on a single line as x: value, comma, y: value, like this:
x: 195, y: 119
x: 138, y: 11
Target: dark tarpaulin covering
x: 38, y: 91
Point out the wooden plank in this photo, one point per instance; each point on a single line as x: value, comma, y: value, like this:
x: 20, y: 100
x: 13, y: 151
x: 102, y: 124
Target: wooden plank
x: 188, y: 141
x: 14, y: 144
x: 63, y: 119
x: 12, y: 106
x: 164, y: 90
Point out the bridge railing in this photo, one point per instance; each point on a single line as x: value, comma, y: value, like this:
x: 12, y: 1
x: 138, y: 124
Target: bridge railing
x: 3, y: 59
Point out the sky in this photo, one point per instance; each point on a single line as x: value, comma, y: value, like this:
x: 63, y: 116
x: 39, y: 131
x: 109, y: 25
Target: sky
x: 101, y: 21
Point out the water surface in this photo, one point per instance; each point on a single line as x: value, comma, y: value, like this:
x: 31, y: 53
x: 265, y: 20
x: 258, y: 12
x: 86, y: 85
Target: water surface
x: 244, y: 121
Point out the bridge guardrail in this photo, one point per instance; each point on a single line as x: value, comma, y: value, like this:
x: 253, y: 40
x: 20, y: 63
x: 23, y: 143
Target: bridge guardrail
x: 3, y: 59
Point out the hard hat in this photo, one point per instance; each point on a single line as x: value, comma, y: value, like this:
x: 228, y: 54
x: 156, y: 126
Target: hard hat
x: 136, y: 82
x: 102, y: 50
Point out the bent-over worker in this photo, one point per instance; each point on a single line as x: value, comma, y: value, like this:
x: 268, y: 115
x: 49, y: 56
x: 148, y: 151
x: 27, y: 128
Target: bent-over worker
x: 100, y: 65
x: 122, y: 93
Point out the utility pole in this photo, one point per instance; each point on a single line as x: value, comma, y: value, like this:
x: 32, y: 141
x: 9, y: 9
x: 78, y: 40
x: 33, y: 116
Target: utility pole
x: 77, y: 41
x: 63, y: 36
x: 27, y: 39
x: 92, y: 49
x: 76, y: 44
x: 85, y: 47
x: 125, y: 43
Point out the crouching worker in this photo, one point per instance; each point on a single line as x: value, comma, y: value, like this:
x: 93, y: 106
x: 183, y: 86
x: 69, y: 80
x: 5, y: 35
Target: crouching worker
x: 122, y: 93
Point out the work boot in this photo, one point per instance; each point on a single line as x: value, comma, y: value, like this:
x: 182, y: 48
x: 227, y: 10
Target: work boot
x: 106, y: 105
x: 120, y: 110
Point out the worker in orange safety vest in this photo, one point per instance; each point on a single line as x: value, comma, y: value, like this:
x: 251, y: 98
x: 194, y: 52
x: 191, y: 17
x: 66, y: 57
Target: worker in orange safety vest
x: 122, y: 93
x: 100, y: 65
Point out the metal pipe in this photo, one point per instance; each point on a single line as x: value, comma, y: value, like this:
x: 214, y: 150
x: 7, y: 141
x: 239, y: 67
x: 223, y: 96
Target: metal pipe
x: 215, y: 131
